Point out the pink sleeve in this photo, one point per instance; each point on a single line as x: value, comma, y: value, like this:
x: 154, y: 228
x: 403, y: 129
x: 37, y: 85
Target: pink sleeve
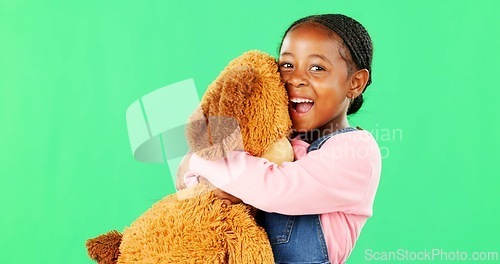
x: 341, y: 176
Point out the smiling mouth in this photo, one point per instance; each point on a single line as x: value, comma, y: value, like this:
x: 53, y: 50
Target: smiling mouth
x: 301, y: 105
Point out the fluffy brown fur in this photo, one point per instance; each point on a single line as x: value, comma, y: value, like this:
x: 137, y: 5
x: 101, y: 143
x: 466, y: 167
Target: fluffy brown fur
x: 104, y: 248
x: 249, y: 91
x: 198, y: 229
x: 245, y: 107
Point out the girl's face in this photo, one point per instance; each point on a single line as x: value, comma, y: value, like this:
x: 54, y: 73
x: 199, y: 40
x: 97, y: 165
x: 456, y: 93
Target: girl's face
x: 316, y: 78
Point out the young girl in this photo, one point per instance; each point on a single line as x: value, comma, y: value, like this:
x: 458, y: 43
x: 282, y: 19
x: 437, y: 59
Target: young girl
x: 314, y: 208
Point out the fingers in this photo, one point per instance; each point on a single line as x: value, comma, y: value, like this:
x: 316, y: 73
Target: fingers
x: 227, y: 202
x: 227, y: 198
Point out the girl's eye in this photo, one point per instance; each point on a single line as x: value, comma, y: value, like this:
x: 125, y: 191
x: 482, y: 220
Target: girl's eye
x: 286, y: 65
x: 317, y: 68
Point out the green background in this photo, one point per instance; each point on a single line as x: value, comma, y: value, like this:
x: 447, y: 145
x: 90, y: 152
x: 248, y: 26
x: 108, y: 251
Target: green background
x: 70, y: 69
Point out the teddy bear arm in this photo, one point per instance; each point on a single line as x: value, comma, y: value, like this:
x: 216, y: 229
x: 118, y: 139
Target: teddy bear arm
x: 280, y: 152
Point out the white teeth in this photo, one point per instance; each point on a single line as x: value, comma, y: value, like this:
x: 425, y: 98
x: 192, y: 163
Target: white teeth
x: 301, y: 100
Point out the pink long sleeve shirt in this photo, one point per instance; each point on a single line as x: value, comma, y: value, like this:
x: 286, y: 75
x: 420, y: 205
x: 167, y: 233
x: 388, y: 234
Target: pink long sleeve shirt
x: 337, y: 181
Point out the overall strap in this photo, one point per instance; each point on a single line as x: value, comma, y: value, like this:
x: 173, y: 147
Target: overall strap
x: 318, y: 143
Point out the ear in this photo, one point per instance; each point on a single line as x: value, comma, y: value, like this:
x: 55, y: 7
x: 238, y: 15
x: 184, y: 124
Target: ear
x: 105, y: 248
x: 237, y: 84
x: 358, y: 82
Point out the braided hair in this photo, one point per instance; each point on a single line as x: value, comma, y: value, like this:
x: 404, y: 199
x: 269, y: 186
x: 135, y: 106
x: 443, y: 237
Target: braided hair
x: 354, y: 37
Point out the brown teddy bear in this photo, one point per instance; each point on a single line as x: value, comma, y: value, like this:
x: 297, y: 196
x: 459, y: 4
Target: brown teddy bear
x: 246, y: 107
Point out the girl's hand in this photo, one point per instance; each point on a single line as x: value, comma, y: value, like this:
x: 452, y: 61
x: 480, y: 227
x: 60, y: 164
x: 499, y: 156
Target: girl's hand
x: 227, y: 198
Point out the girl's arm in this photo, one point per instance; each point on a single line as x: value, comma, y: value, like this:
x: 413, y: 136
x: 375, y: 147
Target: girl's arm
x: 341, y: 176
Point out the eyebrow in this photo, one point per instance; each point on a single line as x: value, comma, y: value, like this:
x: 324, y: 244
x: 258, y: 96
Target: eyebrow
x: 311, y: 55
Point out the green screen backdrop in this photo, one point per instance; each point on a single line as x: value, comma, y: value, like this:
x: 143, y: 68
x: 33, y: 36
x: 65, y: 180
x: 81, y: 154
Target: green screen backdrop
x: 70, y: 69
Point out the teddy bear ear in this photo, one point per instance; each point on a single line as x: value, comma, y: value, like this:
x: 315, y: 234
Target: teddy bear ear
x: 197, y: 134
x: 214, y: 128
x: 237, y: 87
x: 213, y: 136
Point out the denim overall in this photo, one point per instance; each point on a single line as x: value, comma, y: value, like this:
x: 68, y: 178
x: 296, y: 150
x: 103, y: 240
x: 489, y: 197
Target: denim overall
x: 298, y: 239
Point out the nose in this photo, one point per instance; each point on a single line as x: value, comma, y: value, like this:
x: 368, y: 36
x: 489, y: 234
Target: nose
x: 297, y: 79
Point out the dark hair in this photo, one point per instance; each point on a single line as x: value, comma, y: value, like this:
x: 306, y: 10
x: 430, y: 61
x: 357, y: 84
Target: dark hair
x: 355, y: 37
